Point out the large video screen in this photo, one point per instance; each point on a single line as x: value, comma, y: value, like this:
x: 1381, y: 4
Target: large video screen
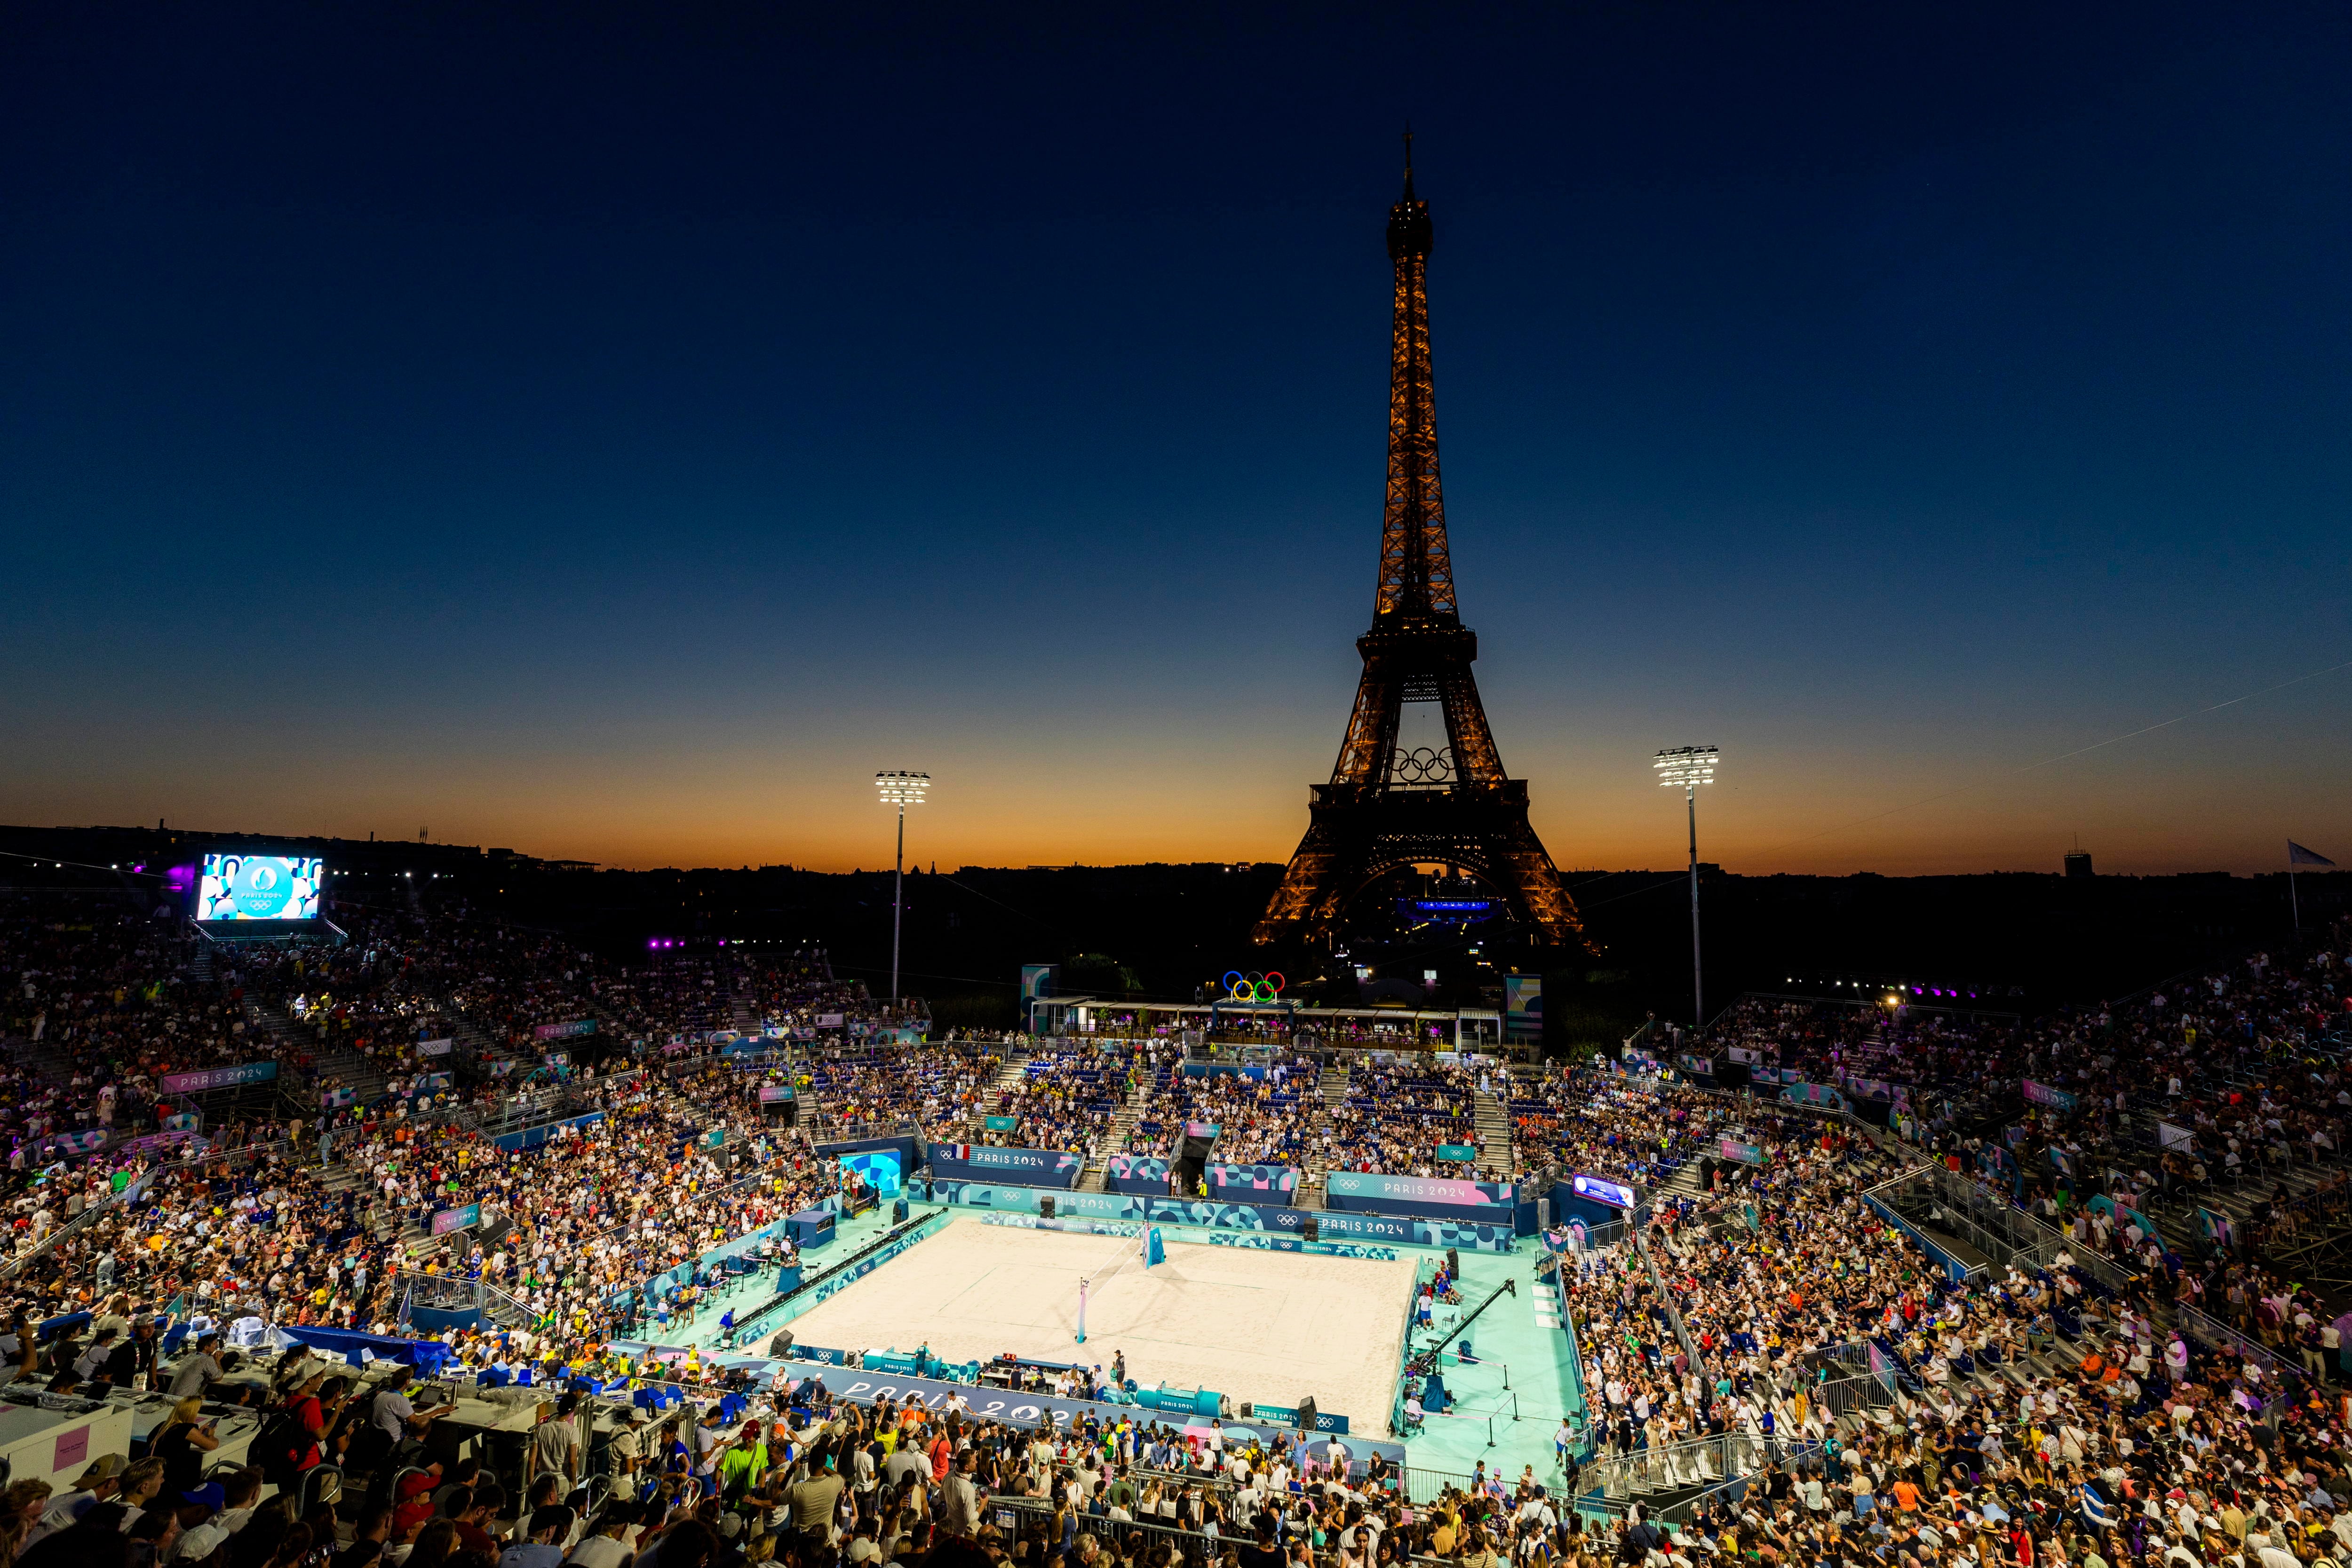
x: 879, y: 1167
x: 257, y: 887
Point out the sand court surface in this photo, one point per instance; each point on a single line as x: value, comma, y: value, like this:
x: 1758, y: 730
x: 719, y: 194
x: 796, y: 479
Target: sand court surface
x: 1261, y: 1326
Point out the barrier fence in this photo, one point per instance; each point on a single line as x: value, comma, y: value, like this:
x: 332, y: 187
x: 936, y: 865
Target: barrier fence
x: 449, y: 1293
x: 1702, y: 1461
x: 2217, y: 1335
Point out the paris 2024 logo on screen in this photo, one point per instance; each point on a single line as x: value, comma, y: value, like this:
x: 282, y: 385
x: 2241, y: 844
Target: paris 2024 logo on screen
x: 257, y: 887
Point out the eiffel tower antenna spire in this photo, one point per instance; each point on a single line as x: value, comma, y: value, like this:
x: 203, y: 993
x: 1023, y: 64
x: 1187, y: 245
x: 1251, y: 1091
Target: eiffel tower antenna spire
x: 1385, y: 808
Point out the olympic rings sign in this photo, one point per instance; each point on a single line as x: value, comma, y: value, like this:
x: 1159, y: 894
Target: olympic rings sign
x: 1253, y: 986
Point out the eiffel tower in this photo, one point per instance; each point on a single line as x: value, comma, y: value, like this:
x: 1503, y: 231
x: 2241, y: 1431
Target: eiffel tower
x: 1385, y: 806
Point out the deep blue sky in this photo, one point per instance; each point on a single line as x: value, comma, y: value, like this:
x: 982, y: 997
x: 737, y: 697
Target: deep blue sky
x: 618, y: 431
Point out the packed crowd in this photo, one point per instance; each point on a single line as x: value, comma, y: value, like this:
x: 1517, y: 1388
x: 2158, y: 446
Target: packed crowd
x: 570, y: 1228
x: 1269, y: 1112
x: 799, y: 991
x: 1394, y: 1118
x: 110, y: 1006
x: 2033, y: 1415
x: 2045, y: 1415
x: 404, y: 974
x: 1829, y: 1041
x: 1598, y: 1123
x: 2230, y: 1081
x: 1066, y: 1097
x: 936, y: 1086
x: 2073, y: 1414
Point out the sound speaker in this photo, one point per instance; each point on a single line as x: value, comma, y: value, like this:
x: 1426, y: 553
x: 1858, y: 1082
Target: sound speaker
x: 1045, y: 1207
x: 1306, y: 1413
x: 1310, y: 1227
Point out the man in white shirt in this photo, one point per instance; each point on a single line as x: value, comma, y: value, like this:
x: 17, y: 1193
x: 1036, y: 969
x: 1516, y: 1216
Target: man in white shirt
x: 201, y: 1539
x: 196, y: 1373
x: 97, y: 1483
x: 94, y: 1355
x: 632, y: 1443
x: 393, y: 1412
x: 608, y: 1547
x: 555, y: 1444
x: 2270, y: 1553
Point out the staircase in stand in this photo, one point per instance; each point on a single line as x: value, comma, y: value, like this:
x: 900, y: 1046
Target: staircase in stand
x: 1116, y: 1141
x: 1009, y: 1074
x: 743, y: 1001
x: 1332, y: 1086
x: 1494, y: 1136
x: 350, y: 1069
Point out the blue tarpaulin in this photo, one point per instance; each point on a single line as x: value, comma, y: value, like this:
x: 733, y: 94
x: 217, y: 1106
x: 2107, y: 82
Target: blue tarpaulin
x: 425, y: 1355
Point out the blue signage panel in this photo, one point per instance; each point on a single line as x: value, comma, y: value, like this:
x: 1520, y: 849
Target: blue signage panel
x: 986, y: 1162
x: 1494, y: 1235
x: 1143, y: 1174
x: 1429, y: 1196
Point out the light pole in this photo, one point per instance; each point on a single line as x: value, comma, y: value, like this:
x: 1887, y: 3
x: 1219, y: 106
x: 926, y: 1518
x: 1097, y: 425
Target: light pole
x: 901, y: 789
x: 1689, y: 767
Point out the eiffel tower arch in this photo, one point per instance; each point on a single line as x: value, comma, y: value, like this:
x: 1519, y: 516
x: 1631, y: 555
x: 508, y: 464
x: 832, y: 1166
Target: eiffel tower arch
x: 1388, y: 805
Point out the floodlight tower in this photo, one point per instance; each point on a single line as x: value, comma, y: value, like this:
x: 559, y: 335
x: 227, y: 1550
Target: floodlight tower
x: 1689, y: 767
x: 901, y: 789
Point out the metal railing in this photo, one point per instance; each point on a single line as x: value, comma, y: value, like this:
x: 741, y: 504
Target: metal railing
x: 1405, y: 1350
x: 1424, y: 1486
x: 446, y: 1292
x: 1666, y: 1298
x: 121, y: 1202
x: 1626, y: 1477
x: 57, y: 1237
x: 1016, y: 1514
x: 1582, y: 1423
x: 2025, y: 1239
x: 2215, y: 1335
x: 1851, y: 1396
x: 1736, y: 1490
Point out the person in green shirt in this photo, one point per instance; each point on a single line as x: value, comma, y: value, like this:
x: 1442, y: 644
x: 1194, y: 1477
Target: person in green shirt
x: 744, y: 1464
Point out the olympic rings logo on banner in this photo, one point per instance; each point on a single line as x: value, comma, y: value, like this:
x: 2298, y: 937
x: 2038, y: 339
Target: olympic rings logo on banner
x: 1253, y: 986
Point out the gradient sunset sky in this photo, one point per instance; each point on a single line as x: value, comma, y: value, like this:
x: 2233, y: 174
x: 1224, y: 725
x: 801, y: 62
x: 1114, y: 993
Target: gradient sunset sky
x: 617, y: 431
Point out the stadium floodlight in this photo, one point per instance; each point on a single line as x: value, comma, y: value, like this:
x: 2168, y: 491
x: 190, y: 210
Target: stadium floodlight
x: 901, y: 789
x: 1686, y: 768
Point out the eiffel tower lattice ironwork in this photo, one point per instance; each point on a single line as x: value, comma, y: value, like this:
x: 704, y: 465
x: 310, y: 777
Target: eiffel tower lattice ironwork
x: 1385, y: 806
